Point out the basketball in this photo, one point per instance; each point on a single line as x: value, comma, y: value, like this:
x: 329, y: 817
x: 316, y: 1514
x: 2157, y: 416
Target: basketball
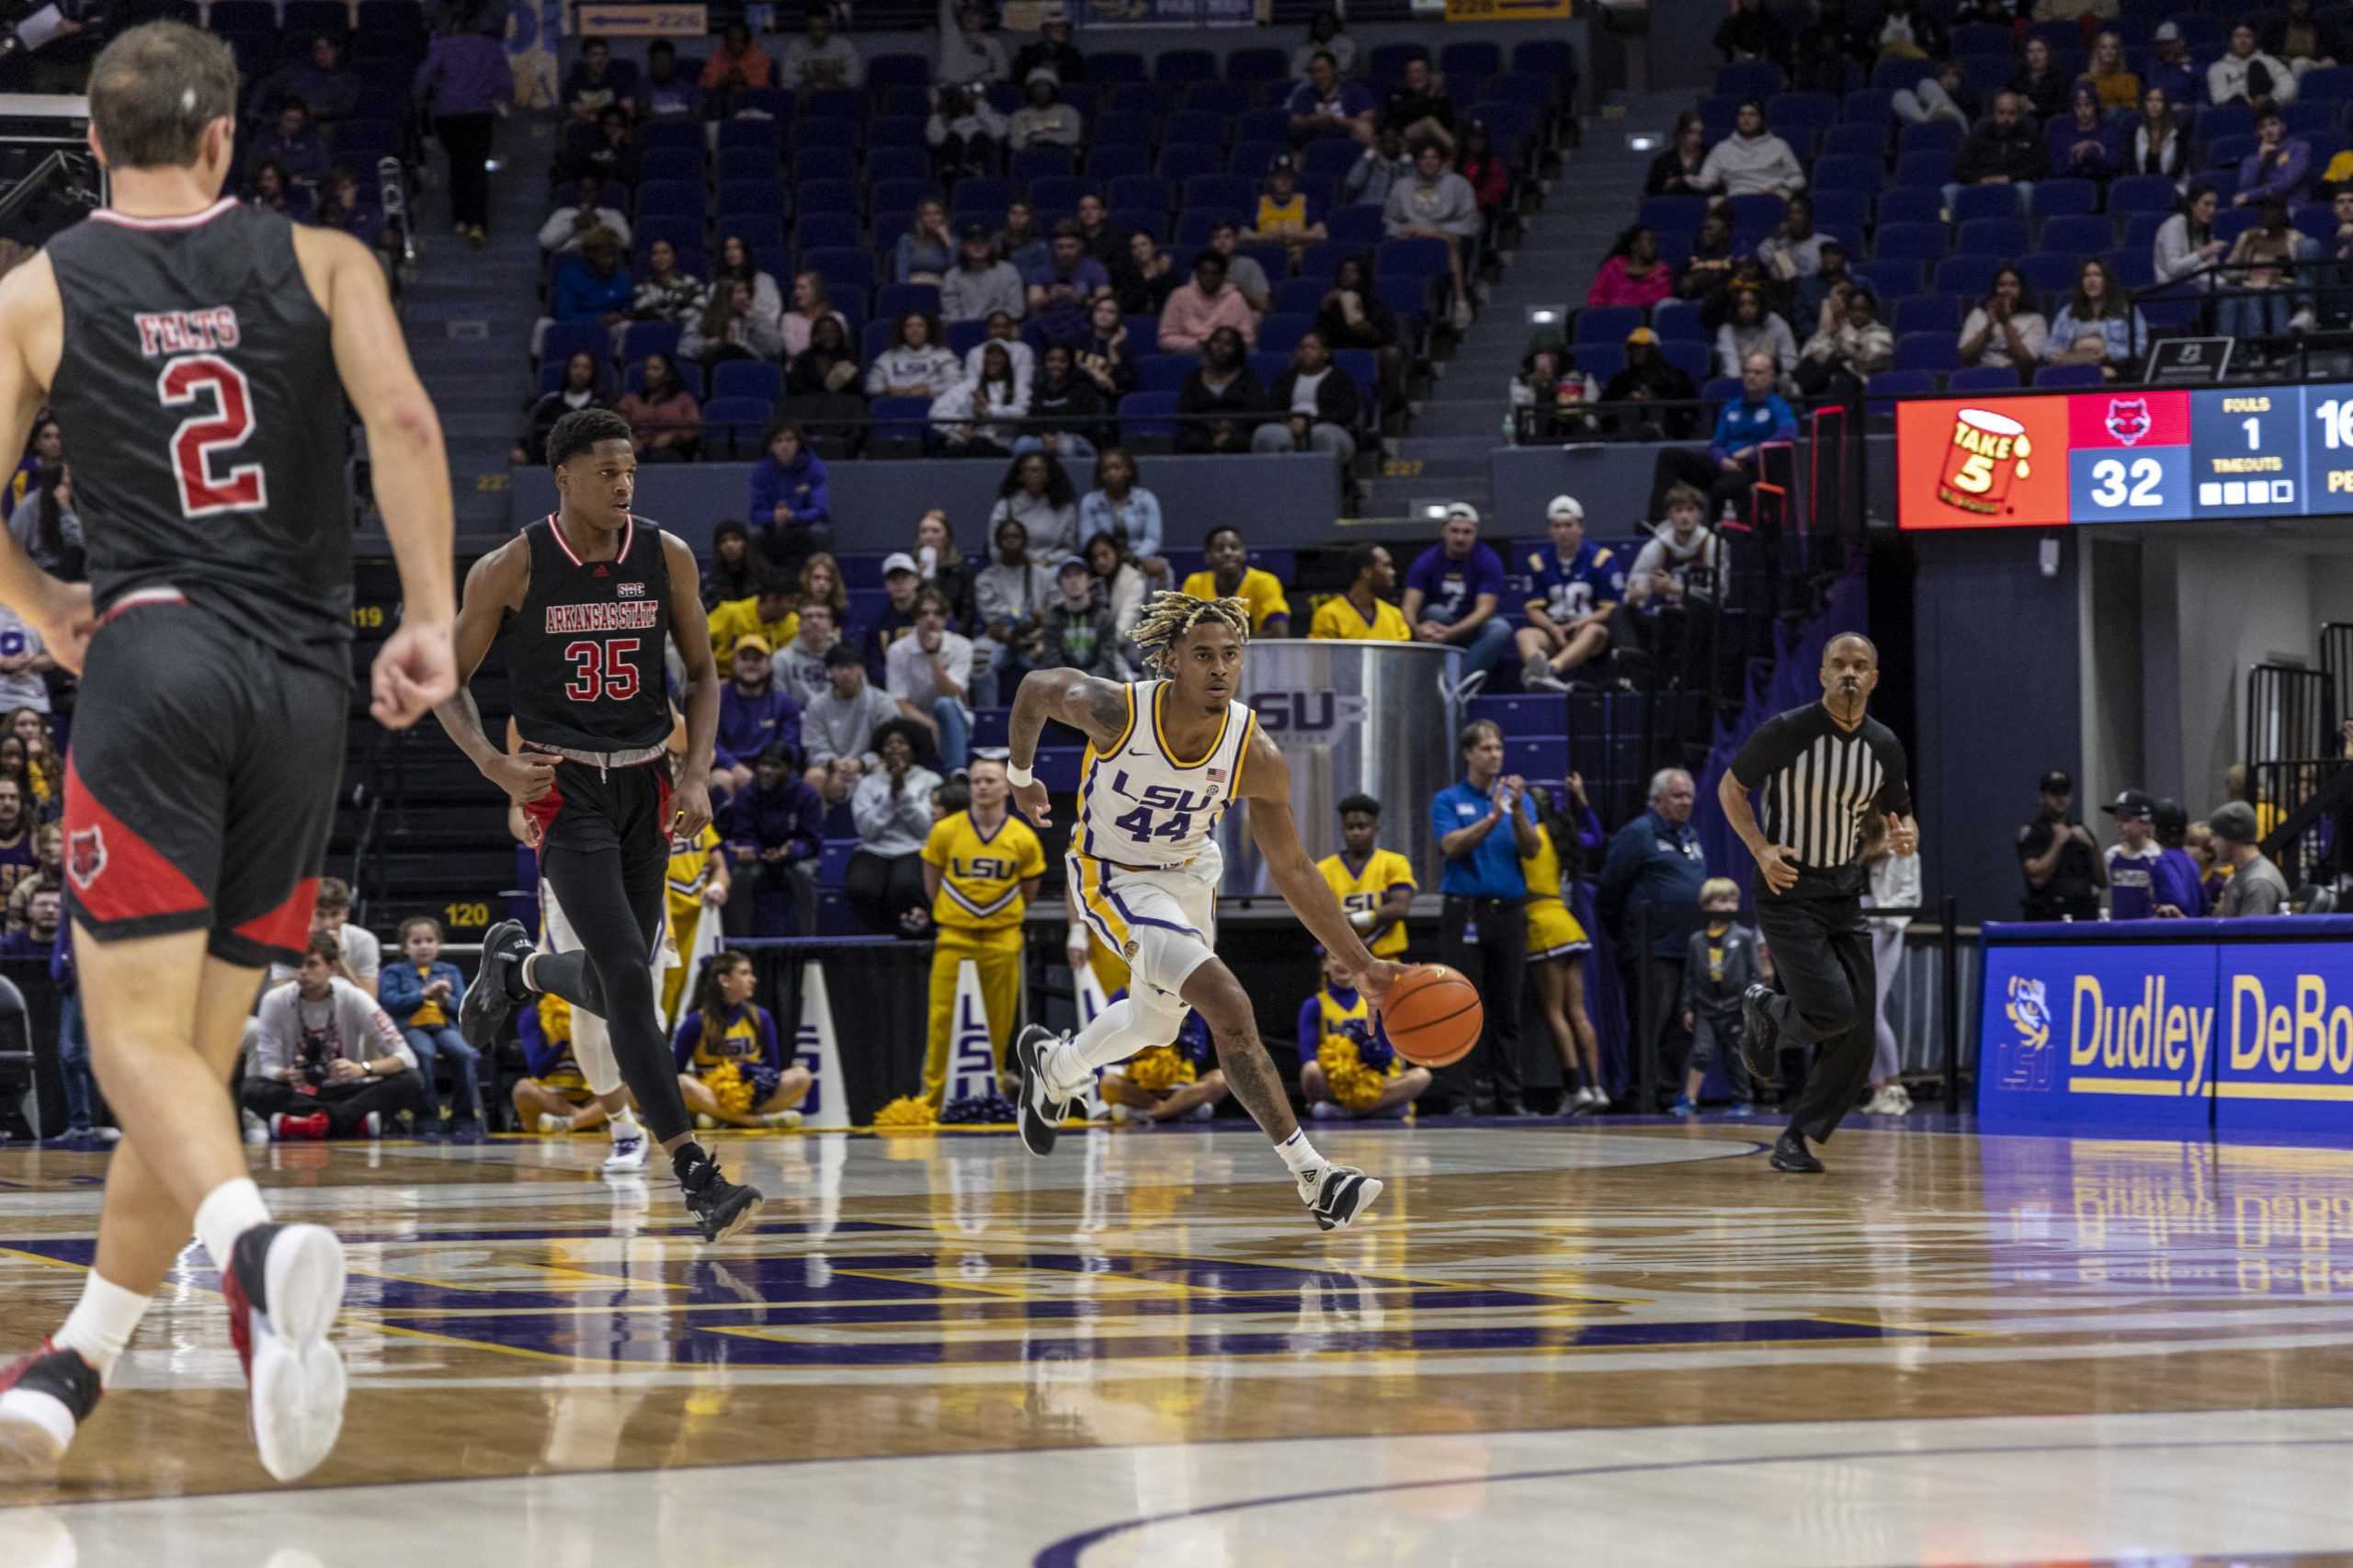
x: 1432, y: 1015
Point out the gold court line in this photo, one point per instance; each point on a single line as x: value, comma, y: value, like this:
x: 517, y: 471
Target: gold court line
x: 2164, y: 1088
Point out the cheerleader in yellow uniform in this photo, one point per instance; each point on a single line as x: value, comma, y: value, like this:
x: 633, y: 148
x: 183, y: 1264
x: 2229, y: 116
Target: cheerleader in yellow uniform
x: 698, y: 881
x: 1557, y: 945
x: 556, y: 1089
x: 1166, y: 1081
x: 980, y: 865
x: 1347, y: 1066
x: 730, y: 1065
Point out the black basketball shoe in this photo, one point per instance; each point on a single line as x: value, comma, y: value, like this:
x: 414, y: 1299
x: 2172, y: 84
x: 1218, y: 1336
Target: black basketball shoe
x: 1337, y: 1194
x: 44, y: 1399
x: 721, y: 1206
x: 491, y: 995
x: 1041, y: 1109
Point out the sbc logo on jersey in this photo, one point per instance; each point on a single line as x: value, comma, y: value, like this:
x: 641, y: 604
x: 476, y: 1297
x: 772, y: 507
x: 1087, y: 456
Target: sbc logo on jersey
x: 85, y: 857
x: 629, y: 590
x: 2128, y: 418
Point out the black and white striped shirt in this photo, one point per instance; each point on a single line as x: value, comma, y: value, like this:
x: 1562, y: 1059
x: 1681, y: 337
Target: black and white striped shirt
x: 1818, y: 785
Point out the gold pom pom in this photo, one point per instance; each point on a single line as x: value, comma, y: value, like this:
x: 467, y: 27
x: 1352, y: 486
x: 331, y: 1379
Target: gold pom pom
x: 1354, y: 1085
x: 730, y: 1088
x: 555, y: 1018
x: 1161, y: 1067
x: 906, y: 1114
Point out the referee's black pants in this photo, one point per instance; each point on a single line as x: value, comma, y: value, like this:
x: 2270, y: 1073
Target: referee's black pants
x: 1829, y: 988
x: 1486, y: 939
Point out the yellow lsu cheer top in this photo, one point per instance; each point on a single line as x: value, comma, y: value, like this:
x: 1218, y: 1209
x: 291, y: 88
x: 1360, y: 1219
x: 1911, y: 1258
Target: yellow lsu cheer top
x: 981, y: 873
x: 1551, y: 929
x: 1363, y: 890
x: 1324, y: 1017
x: 689, y: 874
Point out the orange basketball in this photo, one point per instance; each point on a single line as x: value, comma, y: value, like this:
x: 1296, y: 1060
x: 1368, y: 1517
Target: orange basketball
x: 1432, y: 1015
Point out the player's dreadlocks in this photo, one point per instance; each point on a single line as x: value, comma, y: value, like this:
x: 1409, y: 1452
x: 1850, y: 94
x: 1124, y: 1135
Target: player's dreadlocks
x: 1171, y: 614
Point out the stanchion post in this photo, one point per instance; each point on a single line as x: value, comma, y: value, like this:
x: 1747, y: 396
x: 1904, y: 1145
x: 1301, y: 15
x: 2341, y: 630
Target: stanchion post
x: 1952, y: 914
x: 1645, y: 1045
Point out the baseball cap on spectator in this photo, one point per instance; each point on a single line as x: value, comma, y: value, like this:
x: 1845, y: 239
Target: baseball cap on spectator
x: 2166, y: 30
x: 1041, y: 73
x: 2133, y: 804
x: 1283, y: 164
x: 2058, y: 782
x: 900, y: 561
x: 979, y: 231
x: 1463, y: 510
x: 2235, y: 820
x: 1071, y: 562
x: 1564, y: 506
x: 1641, y: 334
x: 753, y: 642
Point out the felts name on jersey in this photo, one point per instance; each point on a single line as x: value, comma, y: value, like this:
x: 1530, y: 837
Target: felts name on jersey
x: 627, y: 615
x: 185, y: 332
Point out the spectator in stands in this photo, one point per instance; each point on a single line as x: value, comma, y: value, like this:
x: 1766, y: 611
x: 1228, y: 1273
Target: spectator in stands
x: 980, y: 282
x: 1005, y: 332
x: 1753, y: 329
x: 1439, y: 204
x: 767, y: 611
x: 1314, y: 404
x: 917, y: 364
x: 1551, y: 397
x: 891, y: 806
x: 468, y: 81
x: 942, y: 564
x: 595, y: 288
x: 1680, y: 567
x: 732, y: 573
x: 902, y: 581
x: 583, y: 377
x: 2005, y: 150
x: 981, y: 415
x: 1837, y: 361
x: 2246, y: 75
x: 1675, y: 171
x: 362, y: 956
x: 735, y: 65
x: 1064, y: 407
x: 568, y: 227
x: 2280, y: 167
x: 732, y: 326
x: 663, y: 93
x: 1904, y: 32
x: 1221, y: 399
x: 293, y: 144
x: 927, y: 252
x: 2111, y: 78
x: 1942, y: 93
x: 34, y: 914
x: 612, y: 156
x: 592, y: 84
x: 2177, y: 877
x: 738, y: 265
x: 2131, y: 863
x: 1230, y: 576
x: 665, y: 420
x: 2263, y: 259
x: 1454, y: 593
x: 1793, y: 250
x: 1052, y: 50
x: 2185, y: 248
x: 2303, y: 39
x: 1715, y: 256
x: 1043, y: 119
x: 810, y: 305
x: 1384, y: 166
x: 25, y: 663
x: 1120, y: 582
x: 1743, y: 427
x: 2077, y: 145
x: 1752, y: 161
x: 30, y: 726
x: 1105, y: 358
x: 967, y: 53
x: 1329, y: 104
x: 2174, y: 71
x: 2038, y: 81
x: 822, y: 383
x: 774, y: 831
x: 1632, y: 274
x: 1282, y: 216
x: 1482, y: 168
x: 820, y: 578
x: 1242, y: 269
x: 1010, y: 595
x: 821, y: 58
x: 2005, y: 330
x: 665, y: 293
x: 2256, y: 886
x: 1575, y: 586
x: 1649, y: 888
x: 1125, y: 510
x: 1097, y: 235
x: 963, y: 131
x: 754, y: 713
x: 48, y: 529
x: 1144, y: 277
x: 19, y: 852
x: 1353, y: 316
x: 2156, y: 144
x: 1037, y: 493
x: 320, y: 81
x: 1079, y: 631
x: 1650, y: 379
x: 1327, y: 34
x: 1753, y: 32
x: 841, y: 726
x: 326, y: 1061
x: 2058, y: 860
x: 800, y: 665
x: 1419, y: 109
x: 791, y: 509
x: 46, y: 448
x: 420, y: 995
x: 2099, y: 325
x: 1061, y: 291
x: 274, y: 190
x: 929, y: 672
x: 47, y: 875
x: 1018, y: 241
x: 1204, y: 307
x: 1364, y: 613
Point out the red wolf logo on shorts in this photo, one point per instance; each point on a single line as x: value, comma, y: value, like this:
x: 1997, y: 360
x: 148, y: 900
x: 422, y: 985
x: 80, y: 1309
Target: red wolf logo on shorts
x: 2128, y: 418
x: 85, y: 857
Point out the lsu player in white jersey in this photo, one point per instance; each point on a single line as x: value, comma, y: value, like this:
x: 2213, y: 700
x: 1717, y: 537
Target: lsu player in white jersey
x: 1164, y: 759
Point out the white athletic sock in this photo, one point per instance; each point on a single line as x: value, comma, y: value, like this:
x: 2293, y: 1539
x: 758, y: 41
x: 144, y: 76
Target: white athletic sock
x: 624, y: 1125
x: 101, y: 1325
x: 1114, y: 1036
x: 1299, y: 1154
x: 227, y: 1212
x: 523, y: 970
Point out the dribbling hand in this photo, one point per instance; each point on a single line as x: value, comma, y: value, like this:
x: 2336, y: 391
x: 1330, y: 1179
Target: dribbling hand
x: 1376, y: 980
x: 1030, y: 801
x: 1779, y: 866
x: 415, y: 672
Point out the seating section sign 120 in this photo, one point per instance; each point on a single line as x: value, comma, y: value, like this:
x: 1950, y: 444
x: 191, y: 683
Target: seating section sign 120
x: 2149, y: 455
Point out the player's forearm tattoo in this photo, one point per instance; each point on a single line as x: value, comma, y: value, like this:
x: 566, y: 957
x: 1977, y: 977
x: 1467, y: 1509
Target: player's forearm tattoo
x: 1256, y: 1084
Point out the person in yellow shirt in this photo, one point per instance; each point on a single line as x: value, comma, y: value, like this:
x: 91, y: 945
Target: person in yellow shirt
x: 1557, y: 944
x: 980, y: 867
x: 698, y: 881
x: 1231, y: 575
x: 1282, y: 215
x: 1364, y: 614
x: 1374, y: 885
x: 767, y: 613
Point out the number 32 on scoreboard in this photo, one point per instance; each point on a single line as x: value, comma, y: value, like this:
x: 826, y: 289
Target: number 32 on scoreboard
x: 2117, y: 485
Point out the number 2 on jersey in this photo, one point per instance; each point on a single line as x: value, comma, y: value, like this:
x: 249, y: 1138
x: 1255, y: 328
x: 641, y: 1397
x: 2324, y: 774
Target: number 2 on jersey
x: 601, y: 670
x: 205, y: 435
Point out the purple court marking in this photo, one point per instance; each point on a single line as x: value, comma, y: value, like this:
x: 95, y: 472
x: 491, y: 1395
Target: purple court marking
x: 1065, y: 1552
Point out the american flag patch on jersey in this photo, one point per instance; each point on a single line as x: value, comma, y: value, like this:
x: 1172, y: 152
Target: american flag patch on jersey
x: 1217, y: 775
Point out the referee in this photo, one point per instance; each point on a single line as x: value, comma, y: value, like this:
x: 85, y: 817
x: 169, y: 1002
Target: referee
x: 1823, y: 770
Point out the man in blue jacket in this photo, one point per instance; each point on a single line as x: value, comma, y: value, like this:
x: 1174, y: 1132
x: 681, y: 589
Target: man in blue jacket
x: 1744, y: 428
x: 755, y: 713
x: 791, y: 510
x: 1650, y: 904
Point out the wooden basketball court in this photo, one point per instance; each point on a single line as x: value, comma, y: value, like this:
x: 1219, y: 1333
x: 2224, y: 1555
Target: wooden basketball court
x: 1631, y: 1344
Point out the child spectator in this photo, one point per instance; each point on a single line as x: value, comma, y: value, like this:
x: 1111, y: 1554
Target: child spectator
x: 775, y: 833
x: 420, y: 995
x: 1347, y: 1066
x: 1720, y: 965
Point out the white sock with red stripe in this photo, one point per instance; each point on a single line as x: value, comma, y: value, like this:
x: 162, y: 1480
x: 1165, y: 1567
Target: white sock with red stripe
x: 101, y: 1324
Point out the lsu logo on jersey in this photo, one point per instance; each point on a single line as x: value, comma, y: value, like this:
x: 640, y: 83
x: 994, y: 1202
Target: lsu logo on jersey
x: 985, y: 869
x: 2128, y: 418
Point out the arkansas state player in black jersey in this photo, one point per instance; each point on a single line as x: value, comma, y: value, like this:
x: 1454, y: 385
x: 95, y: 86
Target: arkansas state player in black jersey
x: 585, y: 599
x: 192, y: 346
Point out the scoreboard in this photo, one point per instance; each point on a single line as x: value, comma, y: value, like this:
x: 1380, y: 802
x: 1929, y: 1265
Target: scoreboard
x: 2151, y: 455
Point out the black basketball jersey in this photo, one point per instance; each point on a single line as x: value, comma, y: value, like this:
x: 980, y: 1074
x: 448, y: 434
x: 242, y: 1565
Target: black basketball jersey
x: 583, y: 656
x: 199, y: 394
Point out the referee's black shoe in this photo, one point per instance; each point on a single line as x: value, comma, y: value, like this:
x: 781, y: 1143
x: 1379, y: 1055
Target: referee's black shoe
x: 1760, y: 1037
x: 1790, y: 1154
x: 491, y: 995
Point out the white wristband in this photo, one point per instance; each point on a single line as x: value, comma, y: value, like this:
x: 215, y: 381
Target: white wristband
x: 1020, y: 778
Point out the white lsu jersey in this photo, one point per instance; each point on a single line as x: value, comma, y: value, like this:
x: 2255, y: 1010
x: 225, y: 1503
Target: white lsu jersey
x: 1139, y: 805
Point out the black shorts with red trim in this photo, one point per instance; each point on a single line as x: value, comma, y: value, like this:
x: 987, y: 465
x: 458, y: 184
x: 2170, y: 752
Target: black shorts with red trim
x: 590, y: 808
x: 200, y: 789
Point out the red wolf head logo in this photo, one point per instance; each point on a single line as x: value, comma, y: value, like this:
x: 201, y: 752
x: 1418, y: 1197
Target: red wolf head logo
x: 2128, y: 418
x: 85, y: 857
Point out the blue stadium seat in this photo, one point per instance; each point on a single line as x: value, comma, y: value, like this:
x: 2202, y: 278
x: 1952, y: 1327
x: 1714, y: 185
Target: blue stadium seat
x: 1109, y: 163
x: 2002, y: 237
x: 898, y: 418
x: 1681, y: 213
x: 1149, y: 191
x: 1678, y: 321
x: 1846, y: 174
x: 1262, y: 125
x: 1868, y: 106
x: 1910, y: 242
x: 1153, y: 221
x: 984, y: 199
x: 1164, y: 372
x: 677, y: 199
x: 2142, y: 193
x: 1934, y: 135
x: 2068, y: 376
x: 1982, y: 378
x: 747, y: 163
x: 1928, y: 166
x: 1195, y: 126
x: 824, y: 163
x: 2329, y: 84
x: 1258, y: 65
x: 1229, y: 100
x: 897, y: 195
x: 896, y: 300
x: 899, y: 71
x: 1972, y: 202
x: 747, y: 377
x: 1910, y: 204
x: 669, y: 133
x: 827, y: 196
x: 765, y: 134
x: 659, y: 163
x: 1748, y: 79
x: 640, y: 339
x: 736, y: 423
x: 1848, y: 140
x: 1300, y: 296
x: 846, y: 270
x: 1894, y: 280
x: 1060, y: 193
x: 1185, y: 65
x: 1694, y: 359
x: 891, y: 142
x: 1181, y: 161
x: 1145, y: 416
x: 834, y: 231
x: 2052, y: 274
x: 1115, y: 65
x: 1607, y: 324
x: 2055, y: 198
x: 1846, y: 210
x: 1887, y: 385
x: 1280, y: 332
x: 1229, y: 193
x: 1968, y: 276
x: 1410, y: 258
x: 1924, y: 313
x: 2089, y: 233
x: 1937, y: 351
x: 1041, y: 163
x: 2133, y: 268
x: 1796, y: 116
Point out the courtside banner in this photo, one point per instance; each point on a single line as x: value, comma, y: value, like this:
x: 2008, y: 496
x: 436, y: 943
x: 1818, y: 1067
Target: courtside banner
x: 2287, y: 1036
x: 2099, y: 1031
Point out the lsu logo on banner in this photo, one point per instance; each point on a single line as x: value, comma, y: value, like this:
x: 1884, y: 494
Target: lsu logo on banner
x: 2098, y: 1032
x: 2288, y: 1039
